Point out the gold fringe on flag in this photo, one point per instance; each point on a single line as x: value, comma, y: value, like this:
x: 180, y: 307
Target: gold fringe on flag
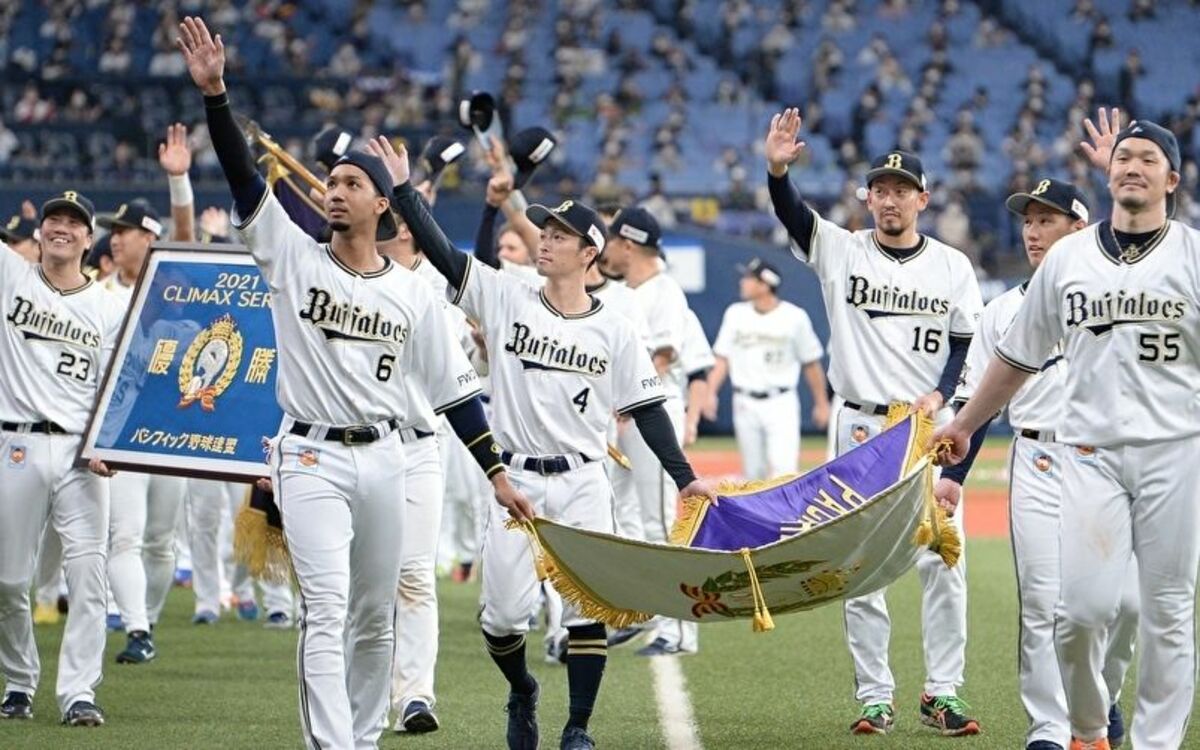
x: 260, y: 546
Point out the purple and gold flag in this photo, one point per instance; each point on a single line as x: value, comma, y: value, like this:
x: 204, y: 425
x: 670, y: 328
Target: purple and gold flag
x: 845, y: 529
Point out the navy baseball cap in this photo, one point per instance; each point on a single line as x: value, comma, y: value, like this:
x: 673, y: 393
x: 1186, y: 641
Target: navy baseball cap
x: 575, y: 216
x: 18, y: 228
x: 135, y: 215
x: 75, y: 202
x: 1162, y: 138
x: 638, y: 226
x: 439, y: 153
x: 529, y: 149
x: 102, y: 248
x: 331, y: 144
x: 381, y: 178
x: 901, y: 164
x: 763, y: 271
x: 1056, y: 194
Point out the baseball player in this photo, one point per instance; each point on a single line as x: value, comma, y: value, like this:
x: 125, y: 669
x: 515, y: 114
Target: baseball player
x: 59, y: 329
x: 1123, y: 297
x: 902, y: 308
x: 561, y: 362
x: 20, y: 234
x: 634, y: 251
x: 145, y: 508
x: 764, y: 344
x: 350, y: 327
x: 697, y: 359
x: 1052, y: 210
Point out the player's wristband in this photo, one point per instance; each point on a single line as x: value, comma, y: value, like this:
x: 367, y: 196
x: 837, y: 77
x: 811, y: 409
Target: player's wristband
x: 180, y: 186
x: 217, y: 100
x: 487, y: 454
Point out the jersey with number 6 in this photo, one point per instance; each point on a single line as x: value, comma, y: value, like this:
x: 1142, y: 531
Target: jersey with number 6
x: 1130, y: 327
x: 347, y: 340
x: 890, y: 320
x: 556, y: 378
x: 55, y: 345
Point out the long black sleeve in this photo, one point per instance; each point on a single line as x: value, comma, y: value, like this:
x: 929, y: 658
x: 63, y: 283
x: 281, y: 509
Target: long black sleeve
x: 428, y: 236
x: 229, y: 143
x: 659, y: 434
x: 959, y: 471
x: 485, y: 237
x: 797, y: 218
x: 470, y: 424
x: 948, y: 383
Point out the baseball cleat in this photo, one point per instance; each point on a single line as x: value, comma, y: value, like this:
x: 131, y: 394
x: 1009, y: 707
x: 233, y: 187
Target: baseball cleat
x: 418, y: 718
x: 113, y: 622
x: 247, y: 610
x: 205, y: 617
x: 278, y: 621
x: 63, y: 604
x: 658, y: 647
x: 522, y: 733
x: 623, y: 635
x: 45, y: 614
x: 16, y: 705
x: 574, y: 738
x: 1116, y: 726
x: 84, y: 714
x: 948, y: 715
x: 876, y: 718
x: 1100, y: 744
x: 1043, y: 745
x: 138, y: 650
x: 556, y: 650
x: 183, y: 578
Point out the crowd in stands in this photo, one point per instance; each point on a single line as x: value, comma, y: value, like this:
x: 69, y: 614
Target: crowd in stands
x: 665, y: 101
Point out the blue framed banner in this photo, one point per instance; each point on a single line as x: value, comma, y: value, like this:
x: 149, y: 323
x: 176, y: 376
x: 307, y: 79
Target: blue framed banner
x: 190, y: 389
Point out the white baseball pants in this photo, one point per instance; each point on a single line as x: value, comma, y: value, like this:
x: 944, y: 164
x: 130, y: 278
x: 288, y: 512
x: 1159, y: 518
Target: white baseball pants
x: 39, y: 485
x: 141, y: 554
x: 465, y: 490
x: 1143, y: 501
x: 768, y: 433
x: 627, y: 505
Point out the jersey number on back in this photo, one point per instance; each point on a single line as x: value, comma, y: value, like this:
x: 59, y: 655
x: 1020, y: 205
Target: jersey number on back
x: 74, y: 366
x: 581, y: 400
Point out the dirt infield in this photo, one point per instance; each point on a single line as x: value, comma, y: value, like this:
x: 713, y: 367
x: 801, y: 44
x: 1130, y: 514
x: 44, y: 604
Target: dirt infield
x: 986, y: 507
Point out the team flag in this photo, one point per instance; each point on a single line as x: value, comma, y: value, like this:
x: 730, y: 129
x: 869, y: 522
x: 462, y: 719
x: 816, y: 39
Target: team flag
x: 845, y: 529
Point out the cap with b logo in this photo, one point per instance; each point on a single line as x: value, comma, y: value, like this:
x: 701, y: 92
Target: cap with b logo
x: 575, y: 216
x: 1160, y: 137
x: 638, y: 226
x: 1055, y: 194
x: 18, y: 228
x: 901, y: 164
x: 763, y: 271
x: 134, y: 215
x: 76, y: 203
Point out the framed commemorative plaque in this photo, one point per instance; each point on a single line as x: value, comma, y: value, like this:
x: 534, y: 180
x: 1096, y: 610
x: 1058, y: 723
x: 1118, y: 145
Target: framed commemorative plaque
x: 190, y: 386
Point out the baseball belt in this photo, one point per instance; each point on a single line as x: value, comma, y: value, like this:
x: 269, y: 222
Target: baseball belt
x: 1043, y: 436
x: 544, y: 465
x: 358, y: 434
x: 45, y: 428
x: 760, y: 395
x: 876, y: 409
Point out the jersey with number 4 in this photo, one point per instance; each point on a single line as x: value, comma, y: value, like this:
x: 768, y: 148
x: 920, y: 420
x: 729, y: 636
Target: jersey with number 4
x: 1130, y: 326
x: 557, y: 378
x: 55, y: 345
x: 347, y: 340
x: 890, y: 319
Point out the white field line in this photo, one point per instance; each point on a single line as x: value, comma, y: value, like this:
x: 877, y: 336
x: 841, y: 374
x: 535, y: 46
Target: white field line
x: 674, y: 705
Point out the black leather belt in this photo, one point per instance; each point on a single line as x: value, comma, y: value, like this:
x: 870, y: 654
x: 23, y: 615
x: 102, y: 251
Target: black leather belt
x: 544, y: 465
x: 360, y: 435
x: 1043, y: 436
x: 879, y: 411
x: 761, y: 394
x: 45, y: 428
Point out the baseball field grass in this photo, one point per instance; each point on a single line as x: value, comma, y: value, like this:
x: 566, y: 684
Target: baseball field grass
x: 233, y: 684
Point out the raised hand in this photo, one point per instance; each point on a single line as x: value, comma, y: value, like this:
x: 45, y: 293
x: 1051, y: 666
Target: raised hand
x: 1099, y: 151
x: 174, y: 156
x: 499, y: 187
x: 204, y: 55
x: 782, y: 148
x: 396, y: 160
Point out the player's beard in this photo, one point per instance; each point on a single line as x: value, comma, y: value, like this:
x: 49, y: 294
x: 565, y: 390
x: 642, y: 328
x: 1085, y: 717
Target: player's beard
x: 339, y: 226
x: 892, y: 229
x: 1132, y: 202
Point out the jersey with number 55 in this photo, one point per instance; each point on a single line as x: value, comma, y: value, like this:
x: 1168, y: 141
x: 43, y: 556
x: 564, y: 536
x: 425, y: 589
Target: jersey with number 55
x: 557, y: 378
x: 347, y: 340
x: 1130, y: 325
x: 55, y: 346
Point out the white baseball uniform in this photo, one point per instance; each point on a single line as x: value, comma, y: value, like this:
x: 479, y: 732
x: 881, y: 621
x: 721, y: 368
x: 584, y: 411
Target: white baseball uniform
x: 766, y: 352
x: 665, y: 308
x: 1130, y: 328
x: 54, y: 347
x: 347, y: 340
x: 143, y: 513
x: 890, y: 321
x: 1035, y: 495
x: 558, y: 379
